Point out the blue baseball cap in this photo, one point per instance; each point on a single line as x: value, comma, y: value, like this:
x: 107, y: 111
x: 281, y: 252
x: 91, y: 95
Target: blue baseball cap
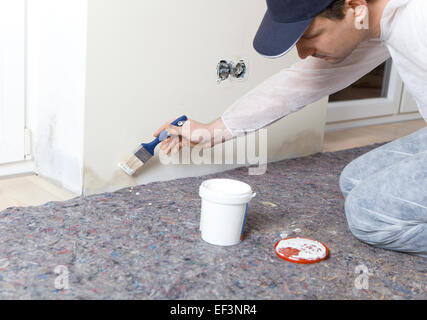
x: 284, y: 24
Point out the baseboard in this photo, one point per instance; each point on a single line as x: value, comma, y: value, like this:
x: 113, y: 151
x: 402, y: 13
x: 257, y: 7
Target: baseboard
x: 329, y: 127
x: 15, y: 169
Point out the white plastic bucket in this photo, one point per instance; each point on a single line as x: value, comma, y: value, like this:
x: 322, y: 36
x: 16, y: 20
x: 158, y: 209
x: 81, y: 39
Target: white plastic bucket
x: 224, y: 208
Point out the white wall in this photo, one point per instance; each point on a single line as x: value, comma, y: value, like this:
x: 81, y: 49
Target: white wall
x: 149, y: 61
x: 56, y: 68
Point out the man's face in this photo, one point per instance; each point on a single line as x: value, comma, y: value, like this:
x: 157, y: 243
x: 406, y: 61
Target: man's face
x: 331, y: 40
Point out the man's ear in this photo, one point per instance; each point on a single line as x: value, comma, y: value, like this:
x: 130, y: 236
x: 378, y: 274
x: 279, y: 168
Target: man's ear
x: 355, y: 3
x: 360, y: 11
x: 361, y: 17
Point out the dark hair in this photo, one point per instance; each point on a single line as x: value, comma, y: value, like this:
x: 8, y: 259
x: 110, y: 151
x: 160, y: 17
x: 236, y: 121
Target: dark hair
x: 335, y: 11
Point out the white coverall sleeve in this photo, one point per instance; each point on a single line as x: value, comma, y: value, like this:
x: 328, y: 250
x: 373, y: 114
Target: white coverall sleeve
x: 293, y: 88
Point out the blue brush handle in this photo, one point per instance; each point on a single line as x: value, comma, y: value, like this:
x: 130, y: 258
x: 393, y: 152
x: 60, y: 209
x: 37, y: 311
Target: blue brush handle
x: 163, y: 135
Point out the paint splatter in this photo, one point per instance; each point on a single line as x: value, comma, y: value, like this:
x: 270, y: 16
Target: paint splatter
x: 269, y: 204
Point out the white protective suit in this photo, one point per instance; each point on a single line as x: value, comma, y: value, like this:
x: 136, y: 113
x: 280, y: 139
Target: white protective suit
x: 403, y: 37
x: 385, y: 189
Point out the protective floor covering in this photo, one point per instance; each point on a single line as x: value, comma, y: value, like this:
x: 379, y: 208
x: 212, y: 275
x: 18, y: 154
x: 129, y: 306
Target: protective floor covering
x: 144, y: 243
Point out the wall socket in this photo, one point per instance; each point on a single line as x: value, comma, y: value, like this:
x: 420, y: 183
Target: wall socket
x: 228, y: 69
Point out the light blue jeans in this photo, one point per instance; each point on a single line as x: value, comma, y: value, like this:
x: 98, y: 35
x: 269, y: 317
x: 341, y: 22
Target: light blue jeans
x: 386, y: 195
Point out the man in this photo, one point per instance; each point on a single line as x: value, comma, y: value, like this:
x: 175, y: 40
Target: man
x: 339, y: 42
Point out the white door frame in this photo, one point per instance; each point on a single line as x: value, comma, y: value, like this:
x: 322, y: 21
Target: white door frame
x: 408, y: 104
x: 12, y: 80
x: 369, y: 108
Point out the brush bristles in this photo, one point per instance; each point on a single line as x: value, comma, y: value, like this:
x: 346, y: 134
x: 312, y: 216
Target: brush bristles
x: 131, y: 165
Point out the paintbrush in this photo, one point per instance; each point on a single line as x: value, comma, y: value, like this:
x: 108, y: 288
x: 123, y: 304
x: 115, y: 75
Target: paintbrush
x: 146, y: 150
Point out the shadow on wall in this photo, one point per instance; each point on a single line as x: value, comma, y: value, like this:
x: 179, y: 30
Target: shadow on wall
x: 302, y: 144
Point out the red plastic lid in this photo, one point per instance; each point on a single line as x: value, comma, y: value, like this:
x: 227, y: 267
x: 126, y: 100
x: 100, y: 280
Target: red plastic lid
x: 301, y: 250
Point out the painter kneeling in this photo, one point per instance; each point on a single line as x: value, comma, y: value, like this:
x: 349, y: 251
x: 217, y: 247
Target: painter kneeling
x: 339, y: 41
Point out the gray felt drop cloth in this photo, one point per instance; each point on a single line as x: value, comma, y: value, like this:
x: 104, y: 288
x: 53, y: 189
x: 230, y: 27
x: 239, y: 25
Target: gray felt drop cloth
x: 135, y: 244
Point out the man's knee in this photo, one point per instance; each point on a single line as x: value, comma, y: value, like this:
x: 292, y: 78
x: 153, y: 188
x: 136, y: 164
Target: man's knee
x: 368, y: 223
x: 357, y: 221
x: 347, y: 182
x: 365, y: 226
x: 389, y: 210
x: 365, y: 220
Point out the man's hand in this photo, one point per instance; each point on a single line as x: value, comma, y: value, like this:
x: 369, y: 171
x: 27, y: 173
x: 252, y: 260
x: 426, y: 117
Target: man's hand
x: 193, y: 134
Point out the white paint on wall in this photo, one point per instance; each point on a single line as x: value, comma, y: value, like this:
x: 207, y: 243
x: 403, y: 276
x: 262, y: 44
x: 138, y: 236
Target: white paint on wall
x: 150, y: 61
x: 56, y: 70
